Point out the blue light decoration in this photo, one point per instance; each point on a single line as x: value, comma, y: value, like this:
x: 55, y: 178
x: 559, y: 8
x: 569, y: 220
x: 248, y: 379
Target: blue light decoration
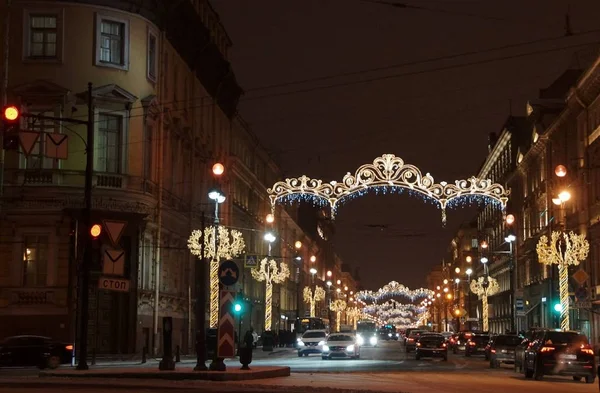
x: 389, y: 174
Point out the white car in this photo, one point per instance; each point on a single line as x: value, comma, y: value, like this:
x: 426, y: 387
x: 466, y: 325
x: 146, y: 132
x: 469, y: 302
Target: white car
x: 312, y: 341
x: 343, y: 345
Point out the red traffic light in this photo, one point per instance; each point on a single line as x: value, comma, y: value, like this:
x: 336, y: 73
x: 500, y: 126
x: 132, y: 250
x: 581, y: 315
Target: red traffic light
x: 95, y: 230
x: 11, y: 114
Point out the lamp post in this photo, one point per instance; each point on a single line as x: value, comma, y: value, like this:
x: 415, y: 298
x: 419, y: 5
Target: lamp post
x: 510, y: 239
x: 468, y: 272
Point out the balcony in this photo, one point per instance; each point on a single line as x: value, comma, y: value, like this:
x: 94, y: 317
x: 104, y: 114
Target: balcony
x: 26, y: 297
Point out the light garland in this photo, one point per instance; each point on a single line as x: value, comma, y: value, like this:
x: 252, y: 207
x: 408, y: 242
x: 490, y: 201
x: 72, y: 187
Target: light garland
x: 231, y: 244
x: 270, y: 273
x: 484, y: 287
x: 564, y: 249
x: 338, y: 306
x: 388, y: 174
x: 353, y: 313
x: 312, y: 298
x: 394, y: 289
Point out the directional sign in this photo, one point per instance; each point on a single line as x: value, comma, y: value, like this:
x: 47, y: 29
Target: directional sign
x: 229, y: 273
x: 225, y: 335
x: 115, y: 230
x: 113, y: 262
x: 113, y: 284
x: 251, y: 261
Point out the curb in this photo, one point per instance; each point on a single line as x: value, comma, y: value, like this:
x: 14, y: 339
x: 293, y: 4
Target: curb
x: 272, y: 372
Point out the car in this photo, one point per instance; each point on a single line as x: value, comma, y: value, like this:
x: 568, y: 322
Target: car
x: 40, y: 351
x: 476, y: 345
x: 312, y: 341
x: 341, y: 345
x: 431, y: 345
x: 502, y: 349
x: 458, y: 342
x: 411, y: 340
x: 555, y: 352
x: 526, y: 339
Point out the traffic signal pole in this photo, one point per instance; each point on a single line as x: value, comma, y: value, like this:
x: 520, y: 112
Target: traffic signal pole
x: 5, y: 58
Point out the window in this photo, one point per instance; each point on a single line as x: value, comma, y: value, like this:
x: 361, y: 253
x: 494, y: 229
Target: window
x: 112, y: 42
x: 43, y: 32
x: 36, y: 158
x: 35, y: 261
x: 108, y: 142
x: 152, y: 56
x: 148, y: 152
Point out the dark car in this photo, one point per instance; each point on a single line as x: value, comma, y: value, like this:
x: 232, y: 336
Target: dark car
x: 39, y: 351
x: 458, y: 341
x: 476, y: 345
x: 488, y: 347
x: 560, y: 353
x: 411, y: 340
x: 526, y: 339
x: 431, y: 345
x: 502, y: 349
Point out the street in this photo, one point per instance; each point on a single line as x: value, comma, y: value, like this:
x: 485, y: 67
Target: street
x: 386, y: 368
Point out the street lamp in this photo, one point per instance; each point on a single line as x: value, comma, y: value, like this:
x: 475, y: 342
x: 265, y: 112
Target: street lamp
x: 457, y: 270
x: 313, y: 258
x: 560, y: 171
x: 218, y: 169
x: 510, y: 219
x: 298, y: 244
x: 329, y: 273
x: 313, y: 271
x: 270, y: 218
x: 469, y: 259
x: 469, y: 271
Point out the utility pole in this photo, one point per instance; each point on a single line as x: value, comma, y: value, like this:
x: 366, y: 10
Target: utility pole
x: 5, y: 62
x: 84, y: 266
x: 201, y: 306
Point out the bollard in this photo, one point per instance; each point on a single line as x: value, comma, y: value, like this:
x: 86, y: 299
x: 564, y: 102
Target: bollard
x: 144, y: 354
x: 177, y: 354
x: 167, y: 363
x: 93, y: 356
x: 245, y: 357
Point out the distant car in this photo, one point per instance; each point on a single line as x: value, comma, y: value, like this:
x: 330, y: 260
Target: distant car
x: 431, y: 345
x: 502, y: 349
x: 458, y: 341
x: 312, y: 341
x: 413, y: 337
x: 476, y: 345
x: 342, y: 345
x: 560, y: 353
x: 39, y: 351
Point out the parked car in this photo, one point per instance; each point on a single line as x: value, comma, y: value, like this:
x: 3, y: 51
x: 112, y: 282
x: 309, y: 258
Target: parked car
x: 502, y: 349
x: 560, y: 353
x: 431, y: 345
x: 476, y: 344
x: 526, y: 339
x: 39, y: 351
x: 342, y: 345
x: 312, y: 341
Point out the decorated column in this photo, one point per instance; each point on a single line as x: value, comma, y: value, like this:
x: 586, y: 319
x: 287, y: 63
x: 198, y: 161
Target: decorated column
x: 230, y: 245
x: 564, y: 250
x: 484, y: 287
x: 269, y: 272
x: 312, y: 298
x: 354, y: 313
x: 338, y: 306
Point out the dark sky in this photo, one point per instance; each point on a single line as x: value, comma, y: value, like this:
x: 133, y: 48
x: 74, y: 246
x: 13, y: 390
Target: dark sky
x: 437, y: 119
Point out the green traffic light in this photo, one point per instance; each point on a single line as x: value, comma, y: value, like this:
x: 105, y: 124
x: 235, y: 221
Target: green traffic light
x: 237, y: 307
x: 558, y: 307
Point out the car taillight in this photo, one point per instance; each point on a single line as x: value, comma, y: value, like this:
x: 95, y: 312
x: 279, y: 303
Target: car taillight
x: 493, y: 351
x: 411, y: 339
x: 69, y: 347
x: 452, y: 340
x: 472, y: 343
x: 586, y: 348
x: 444, y: 345
x: 547, y: 349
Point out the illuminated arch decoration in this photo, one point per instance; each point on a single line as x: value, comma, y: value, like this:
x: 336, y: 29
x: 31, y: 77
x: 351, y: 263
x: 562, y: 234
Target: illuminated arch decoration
x: 392, y: 289
x: 388, y: 174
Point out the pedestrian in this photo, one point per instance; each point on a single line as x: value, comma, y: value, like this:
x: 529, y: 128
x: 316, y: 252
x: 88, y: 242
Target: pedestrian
x: 249, y: 338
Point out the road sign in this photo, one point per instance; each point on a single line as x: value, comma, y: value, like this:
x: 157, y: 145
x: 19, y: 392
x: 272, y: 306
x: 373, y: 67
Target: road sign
x: 580, y: 276
x: 229, y: 273
x: 581, y: 293
x: 251, y: 261
x: 113, y: 284
x: 519, y: 304
x: 115, y: 230
x: 57, y: 146
x: 28, y: 139
x: 225, y: 335
x: 584, y: 304
x: 113, y: 262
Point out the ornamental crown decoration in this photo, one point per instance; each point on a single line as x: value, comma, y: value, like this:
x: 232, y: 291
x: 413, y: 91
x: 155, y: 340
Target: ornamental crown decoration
x: 387, y: 173
x: 231, y: 243
x: 394, y: 288
x: 563, y: 248
x: 485, y: 286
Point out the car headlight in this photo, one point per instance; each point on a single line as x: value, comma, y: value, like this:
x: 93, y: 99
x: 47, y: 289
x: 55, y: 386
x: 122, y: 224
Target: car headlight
x: 397, y: 334
x: 389, y: 334
x: 373, y: 340
x: 300, y: 343
x: 325, y: 348
x: 350, y: 348
x: 321, y: 343
x: 298, y: 339
x: 360, y: 340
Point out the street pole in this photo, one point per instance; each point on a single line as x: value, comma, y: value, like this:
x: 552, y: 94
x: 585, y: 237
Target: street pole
x: 5, y: 63
x: 84, y: 266
x: 217, y: 362
x: 512, y: 288
x: 201, y: 306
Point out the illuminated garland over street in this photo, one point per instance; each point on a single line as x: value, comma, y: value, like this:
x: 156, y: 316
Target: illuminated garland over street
x: 392, y: 304
x: 388, y: 174
x: 270, y: 273
x: 564, y: 249
x: 484, y: 287
x: 394, y: 289
x: 231, y: 244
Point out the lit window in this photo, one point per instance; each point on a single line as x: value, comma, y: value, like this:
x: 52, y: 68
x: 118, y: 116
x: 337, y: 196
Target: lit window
x: 112, y: 42
x: 108, y: 143
x: 35, y: 261
x: 152, y: 56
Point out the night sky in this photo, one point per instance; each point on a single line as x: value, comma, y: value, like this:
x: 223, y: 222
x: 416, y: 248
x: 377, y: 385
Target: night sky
x: 355, y: 101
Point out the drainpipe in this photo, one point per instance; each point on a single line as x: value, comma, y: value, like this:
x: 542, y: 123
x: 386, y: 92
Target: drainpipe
x: 157, y: 247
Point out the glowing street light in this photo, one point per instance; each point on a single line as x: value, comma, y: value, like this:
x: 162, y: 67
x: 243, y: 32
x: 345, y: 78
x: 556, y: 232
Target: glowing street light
x: 484, y: 260
x: 484, y: 244
x: 469, y: 271
x: 457, y: 280
x: 270, y: 237
x: 313, y: 258
x: 298, y: 244
x: 469, y: 259
x: 510, y: 238
x: 560, y: 171
x: 329, y: 273
x: 313, y: 271
x: 270, y: 218
x: 457, y: 270
x: 218, y: 169
x: 510, y: 219
x: 445, y: 281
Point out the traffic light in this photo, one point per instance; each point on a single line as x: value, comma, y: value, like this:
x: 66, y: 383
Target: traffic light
x: 11, y: 121
x: 95, y: 231
x: 557, y: 307
x: 237, y: 307
x: 96, y: 247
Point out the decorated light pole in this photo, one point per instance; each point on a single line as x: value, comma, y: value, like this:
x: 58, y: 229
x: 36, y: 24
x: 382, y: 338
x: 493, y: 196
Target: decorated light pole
x: 312, y: 298
x: 270, y: 273
x: 338, y: 306
x: 227, y: 245
x: 484, y: 287
x: 354, y: 313
x: 564, y: 249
